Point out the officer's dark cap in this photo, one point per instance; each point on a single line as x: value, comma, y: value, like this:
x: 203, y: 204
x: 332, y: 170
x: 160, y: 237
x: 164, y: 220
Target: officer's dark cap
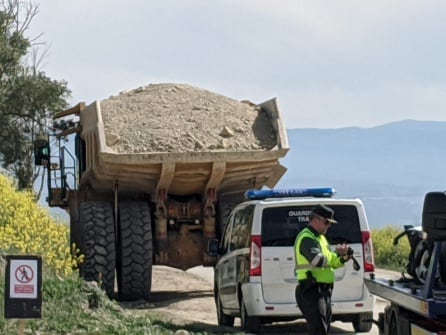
x: 325, y: 212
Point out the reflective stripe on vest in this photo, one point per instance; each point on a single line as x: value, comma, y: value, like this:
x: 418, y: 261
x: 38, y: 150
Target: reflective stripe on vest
x: 320, y: 274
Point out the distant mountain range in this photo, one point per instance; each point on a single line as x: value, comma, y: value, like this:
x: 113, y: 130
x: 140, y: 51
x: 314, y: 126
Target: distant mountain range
x: 389, y: 167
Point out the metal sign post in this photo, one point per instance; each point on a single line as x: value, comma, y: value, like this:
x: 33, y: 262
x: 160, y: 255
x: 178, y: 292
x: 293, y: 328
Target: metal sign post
x: 23, y: 287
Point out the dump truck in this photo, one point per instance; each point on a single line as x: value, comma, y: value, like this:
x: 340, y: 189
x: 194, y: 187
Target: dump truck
x: 417, y: 301
x: 134, y: 204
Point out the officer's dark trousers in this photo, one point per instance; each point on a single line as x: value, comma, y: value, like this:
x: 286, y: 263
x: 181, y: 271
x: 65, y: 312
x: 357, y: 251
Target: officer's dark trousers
x: 314, y: 300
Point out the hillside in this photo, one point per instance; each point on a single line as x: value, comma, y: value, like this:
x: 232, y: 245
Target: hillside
x: 389, y: 167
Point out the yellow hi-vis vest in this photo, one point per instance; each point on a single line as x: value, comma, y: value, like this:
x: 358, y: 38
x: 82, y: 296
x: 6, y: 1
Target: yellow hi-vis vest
x: 321, y: 274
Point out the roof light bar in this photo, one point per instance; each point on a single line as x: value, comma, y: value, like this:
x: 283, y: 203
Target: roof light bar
x: 325, y: 192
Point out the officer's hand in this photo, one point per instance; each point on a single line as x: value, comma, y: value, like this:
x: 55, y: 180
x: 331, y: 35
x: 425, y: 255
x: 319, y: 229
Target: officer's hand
x: 342, y: 249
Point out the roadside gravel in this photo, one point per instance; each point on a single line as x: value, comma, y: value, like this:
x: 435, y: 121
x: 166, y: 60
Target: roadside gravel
x: 186, y: 298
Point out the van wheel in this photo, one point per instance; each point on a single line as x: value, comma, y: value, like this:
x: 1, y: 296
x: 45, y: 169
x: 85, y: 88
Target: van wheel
x: 363, y: 322
x: 223, y: 319
x: 249, y: 324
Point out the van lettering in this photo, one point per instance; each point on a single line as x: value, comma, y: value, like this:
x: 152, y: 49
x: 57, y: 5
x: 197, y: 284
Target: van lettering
x: 299, y: 213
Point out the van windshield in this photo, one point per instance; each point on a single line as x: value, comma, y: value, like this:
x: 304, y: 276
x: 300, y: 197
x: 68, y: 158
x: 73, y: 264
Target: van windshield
x: 280, y: 225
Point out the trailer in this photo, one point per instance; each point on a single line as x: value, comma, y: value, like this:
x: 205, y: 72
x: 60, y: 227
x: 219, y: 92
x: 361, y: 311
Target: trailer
x: 418, y: 306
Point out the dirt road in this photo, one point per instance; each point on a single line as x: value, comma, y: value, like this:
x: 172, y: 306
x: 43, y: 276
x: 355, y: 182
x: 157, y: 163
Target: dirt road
x: 186, y: 298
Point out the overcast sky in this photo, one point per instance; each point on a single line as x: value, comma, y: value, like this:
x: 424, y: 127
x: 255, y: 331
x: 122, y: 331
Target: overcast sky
x: 330, y: 63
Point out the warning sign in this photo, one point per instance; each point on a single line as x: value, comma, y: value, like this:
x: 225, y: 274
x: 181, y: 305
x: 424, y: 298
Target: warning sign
x: 23, y: 279
x: 23, y: 287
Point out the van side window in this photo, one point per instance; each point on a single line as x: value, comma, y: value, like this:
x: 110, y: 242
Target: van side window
x: 241, y: 231
x: 226, y: 237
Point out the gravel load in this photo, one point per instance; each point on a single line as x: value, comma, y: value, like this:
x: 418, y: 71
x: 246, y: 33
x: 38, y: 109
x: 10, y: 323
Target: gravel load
x: 183, y: 118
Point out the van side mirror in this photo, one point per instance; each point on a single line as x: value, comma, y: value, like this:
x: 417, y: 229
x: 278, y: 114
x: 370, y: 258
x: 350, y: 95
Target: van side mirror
x: 213, y: 247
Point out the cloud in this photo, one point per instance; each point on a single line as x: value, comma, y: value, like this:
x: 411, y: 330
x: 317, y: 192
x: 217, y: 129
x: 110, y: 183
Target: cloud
x: 366, y: 62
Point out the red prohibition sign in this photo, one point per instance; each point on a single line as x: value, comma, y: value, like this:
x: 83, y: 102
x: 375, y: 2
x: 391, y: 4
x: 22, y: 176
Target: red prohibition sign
x: 24, y: 274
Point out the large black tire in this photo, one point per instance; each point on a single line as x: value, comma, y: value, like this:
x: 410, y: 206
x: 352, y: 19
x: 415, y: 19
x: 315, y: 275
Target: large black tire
x: 434, y: 215
x: 250, y: 324
x: 98, y: 244
x: 421, y: 259
x: 222, y: 318
x: 363, y: 322
x: 135, y: 251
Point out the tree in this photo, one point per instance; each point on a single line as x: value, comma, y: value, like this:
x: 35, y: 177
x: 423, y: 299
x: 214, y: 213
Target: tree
x: 28, y: 98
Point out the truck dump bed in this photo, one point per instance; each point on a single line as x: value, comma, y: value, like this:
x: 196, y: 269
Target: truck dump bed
x: 182, y: 140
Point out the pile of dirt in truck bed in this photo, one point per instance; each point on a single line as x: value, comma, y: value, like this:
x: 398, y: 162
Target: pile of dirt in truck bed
x: 183, y: 118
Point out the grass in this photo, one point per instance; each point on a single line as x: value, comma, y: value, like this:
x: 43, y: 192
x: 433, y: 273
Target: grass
x: 71, y: 306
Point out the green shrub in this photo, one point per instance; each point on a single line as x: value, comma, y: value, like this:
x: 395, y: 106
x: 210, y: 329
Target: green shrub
x: 27, y: 228
x: 388, y: 256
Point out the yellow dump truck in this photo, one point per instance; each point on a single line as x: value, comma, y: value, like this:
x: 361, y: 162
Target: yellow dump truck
x: 134, y: 203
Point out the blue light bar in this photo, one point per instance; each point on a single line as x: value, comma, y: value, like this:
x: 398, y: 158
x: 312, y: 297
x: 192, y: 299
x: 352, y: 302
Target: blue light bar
x: 325, y: 192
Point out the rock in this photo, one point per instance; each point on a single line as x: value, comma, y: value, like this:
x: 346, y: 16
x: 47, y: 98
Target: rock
x: 111, y: 139
x: 226, y: 132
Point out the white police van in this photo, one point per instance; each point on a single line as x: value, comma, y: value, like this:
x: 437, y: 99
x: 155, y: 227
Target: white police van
x: 254, y: 278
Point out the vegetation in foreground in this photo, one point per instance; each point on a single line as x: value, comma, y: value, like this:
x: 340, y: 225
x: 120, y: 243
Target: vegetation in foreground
x: 71, y: 306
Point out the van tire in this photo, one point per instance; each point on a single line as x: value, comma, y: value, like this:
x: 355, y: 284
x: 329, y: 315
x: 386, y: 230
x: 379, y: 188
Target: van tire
x: 250, y: 324
x: 222, y: 318
x: 363, y: 322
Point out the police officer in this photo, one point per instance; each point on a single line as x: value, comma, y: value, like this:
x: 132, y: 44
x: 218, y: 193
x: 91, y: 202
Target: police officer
x: 315, y: 264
